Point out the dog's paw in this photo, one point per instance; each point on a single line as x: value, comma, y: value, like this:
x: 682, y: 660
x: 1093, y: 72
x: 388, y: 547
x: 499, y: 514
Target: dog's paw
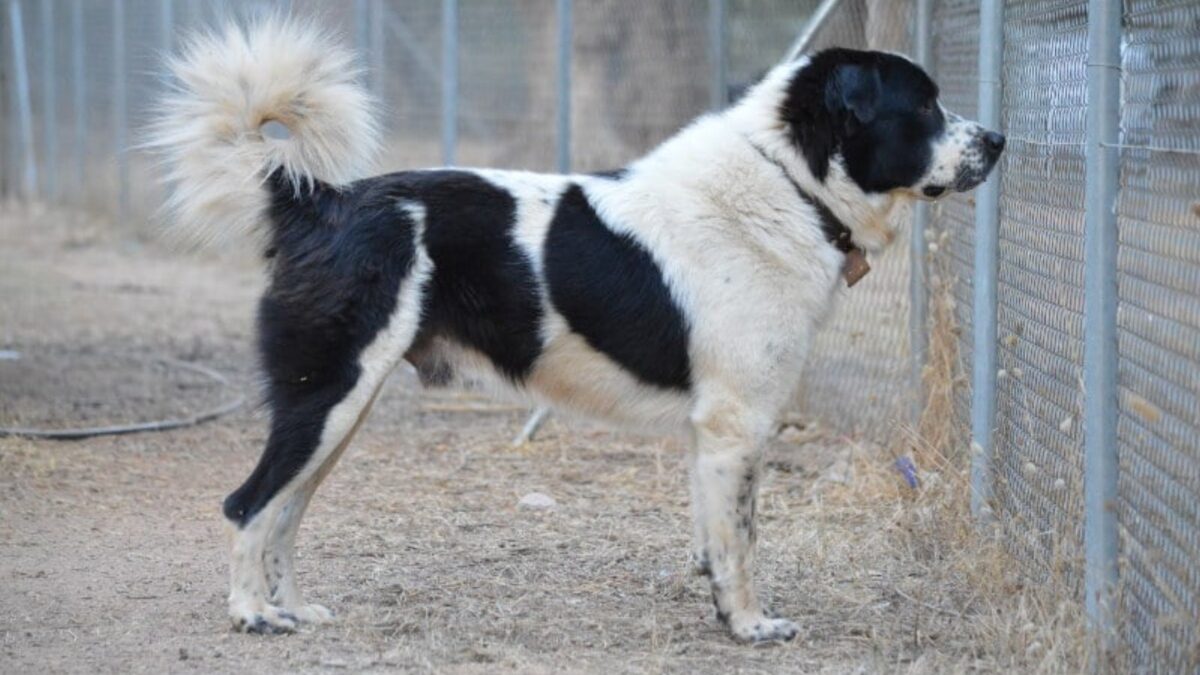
x: 313, y: 613
x: 267, y: 620
x: 763, y: 629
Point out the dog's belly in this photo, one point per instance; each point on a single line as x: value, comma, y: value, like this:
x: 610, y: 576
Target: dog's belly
x: 572, y: 375
x: 569, y: 375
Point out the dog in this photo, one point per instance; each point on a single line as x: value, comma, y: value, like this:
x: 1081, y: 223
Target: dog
x: 678, y: 293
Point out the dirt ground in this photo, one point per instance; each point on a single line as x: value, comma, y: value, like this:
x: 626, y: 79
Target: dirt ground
x: 112, y: 549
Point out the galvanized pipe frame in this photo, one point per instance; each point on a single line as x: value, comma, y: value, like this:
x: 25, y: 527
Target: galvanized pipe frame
x: 449, y: 81
x: 21, y: 99
x: 79, y: 100
x: 120, y: 110
x: 562, y: 113
x: 49, y: 84
x: 1100, y: 355
x: 987, y: 243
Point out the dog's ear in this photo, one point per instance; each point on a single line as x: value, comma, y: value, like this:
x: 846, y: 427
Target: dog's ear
x: 852, y: 93
x: 808, y: 118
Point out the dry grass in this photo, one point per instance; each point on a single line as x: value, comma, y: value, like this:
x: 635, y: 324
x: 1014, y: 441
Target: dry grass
x: 112, y: 551
x: 1014, y: 625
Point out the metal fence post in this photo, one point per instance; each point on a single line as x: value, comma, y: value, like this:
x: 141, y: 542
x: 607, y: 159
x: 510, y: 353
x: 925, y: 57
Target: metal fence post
x: 21, y: 96
x: 987, y: 241
x: 563, y: 93
x: 449, y: 81
x: 918, y: 307
x: 79, y: 96
x: 166, y: 24
x: 377, y: 54
x: 120, y: 108
x: 1100, y: 462
x: 816, y: 21
x: 362, y: 25
x: 49, y: 103
x: 718, y: 26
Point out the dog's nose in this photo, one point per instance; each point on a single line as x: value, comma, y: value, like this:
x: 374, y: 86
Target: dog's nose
x: 993, y: 142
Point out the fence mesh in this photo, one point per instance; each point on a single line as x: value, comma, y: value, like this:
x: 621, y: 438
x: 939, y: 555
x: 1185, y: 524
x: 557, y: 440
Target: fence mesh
x: 1038, y: 439
x: 859, y: 373
x: 951, y: 231
x: 1158, y: 282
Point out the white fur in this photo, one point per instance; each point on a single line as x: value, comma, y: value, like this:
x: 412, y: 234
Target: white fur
x: 957, y: 151
x: 227, y: 85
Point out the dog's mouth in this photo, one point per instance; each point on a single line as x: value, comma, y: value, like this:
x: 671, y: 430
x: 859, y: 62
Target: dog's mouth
x: 971, y: 177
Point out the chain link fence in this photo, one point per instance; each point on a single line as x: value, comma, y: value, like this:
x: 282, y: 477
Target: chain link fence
x: 1158, y: 332
x: 1039, y: 456
x: 554, y: 85
x: 1038, y: 468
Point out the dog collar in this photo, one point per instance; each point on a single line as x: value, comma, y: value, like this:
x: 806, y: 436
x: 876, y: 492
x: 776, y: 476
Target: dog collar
x: 854, y: 264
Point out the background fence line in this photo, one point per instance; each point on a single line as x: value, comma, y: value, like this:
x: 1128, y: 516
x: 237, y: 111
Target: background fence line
x: 1075, y: 270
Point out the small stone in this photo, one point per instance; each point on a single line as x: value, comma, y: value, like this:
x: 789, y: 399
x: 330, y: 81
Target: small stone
x: 1065, y: 425
x: 183, y: 655
x: 537, y: 501
x: 1059, y: 484
x: 1030, y: 468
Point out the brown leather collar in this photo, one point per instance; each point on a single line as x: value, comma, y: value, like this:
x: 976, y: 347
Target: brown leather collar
x: 854, y: 265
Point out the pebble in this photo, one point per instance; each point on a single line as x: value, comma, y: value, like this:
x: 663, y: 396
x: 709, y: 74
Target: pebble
x: 537, y: 501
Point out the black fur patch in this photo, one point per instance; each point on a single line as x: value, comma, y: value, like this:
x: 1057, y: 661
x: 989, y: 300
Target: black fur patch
x: 338, y: 261
x: 878, y: 110
x: 483, y: 293
x: 613, y: 294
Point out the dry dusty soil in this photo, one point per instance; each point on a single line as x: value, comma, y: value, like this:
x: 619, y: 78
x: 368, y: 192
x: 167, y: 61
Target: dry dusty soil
x: 112, y: 549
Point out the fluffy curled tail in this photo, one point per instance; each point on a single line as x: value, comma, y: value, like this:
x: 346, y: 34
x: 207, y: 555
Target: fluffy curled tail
x: 281, y: 95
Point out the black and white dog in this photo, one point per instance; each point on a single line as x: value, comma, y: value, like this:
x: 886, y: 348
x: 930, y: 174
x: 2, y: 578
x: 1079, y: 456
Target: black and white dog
x: 681, y: 292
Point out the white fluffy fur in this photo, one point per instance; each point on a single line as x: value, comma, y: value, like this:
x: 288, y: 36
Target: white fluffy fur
x: 208, y: 130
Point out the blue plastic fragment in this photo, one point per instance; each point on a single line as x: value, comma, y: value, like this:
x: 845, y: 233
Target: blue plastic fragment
x: 907, y: 469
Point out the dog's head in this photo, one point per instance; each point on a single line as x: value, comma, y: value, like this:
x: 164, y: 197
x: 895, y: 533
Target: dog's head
x: 877, y: 115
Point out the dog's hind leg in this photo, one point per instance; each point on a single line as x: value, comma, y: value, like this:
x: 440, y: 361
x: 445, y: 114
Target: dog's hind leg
x: 279, y: 554
x: 306, y: 439
x: 317, y: 405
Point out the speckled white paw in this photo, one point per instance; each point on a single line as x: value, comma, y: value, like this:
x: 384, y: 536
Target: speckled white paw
x: 765, y: 630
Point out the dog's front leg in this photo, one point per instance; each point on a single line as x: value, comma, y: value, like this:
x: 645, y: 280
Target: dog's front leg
x: 728, y: 446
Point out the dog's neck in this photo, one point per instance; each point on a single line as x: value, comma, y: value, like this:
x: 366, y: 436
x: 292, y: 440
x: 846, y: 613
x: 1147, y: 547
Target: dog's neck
x: 870, y: 217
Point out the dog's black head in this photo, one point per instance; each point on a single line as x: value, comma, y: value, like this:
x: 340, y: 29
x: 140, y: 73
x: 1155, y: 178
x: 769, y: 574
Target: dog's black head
x: 878, y: 115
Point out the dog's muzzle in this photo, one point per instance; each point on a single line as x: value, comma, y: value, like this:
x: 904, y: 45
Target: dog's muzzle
x: 989, y: 146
